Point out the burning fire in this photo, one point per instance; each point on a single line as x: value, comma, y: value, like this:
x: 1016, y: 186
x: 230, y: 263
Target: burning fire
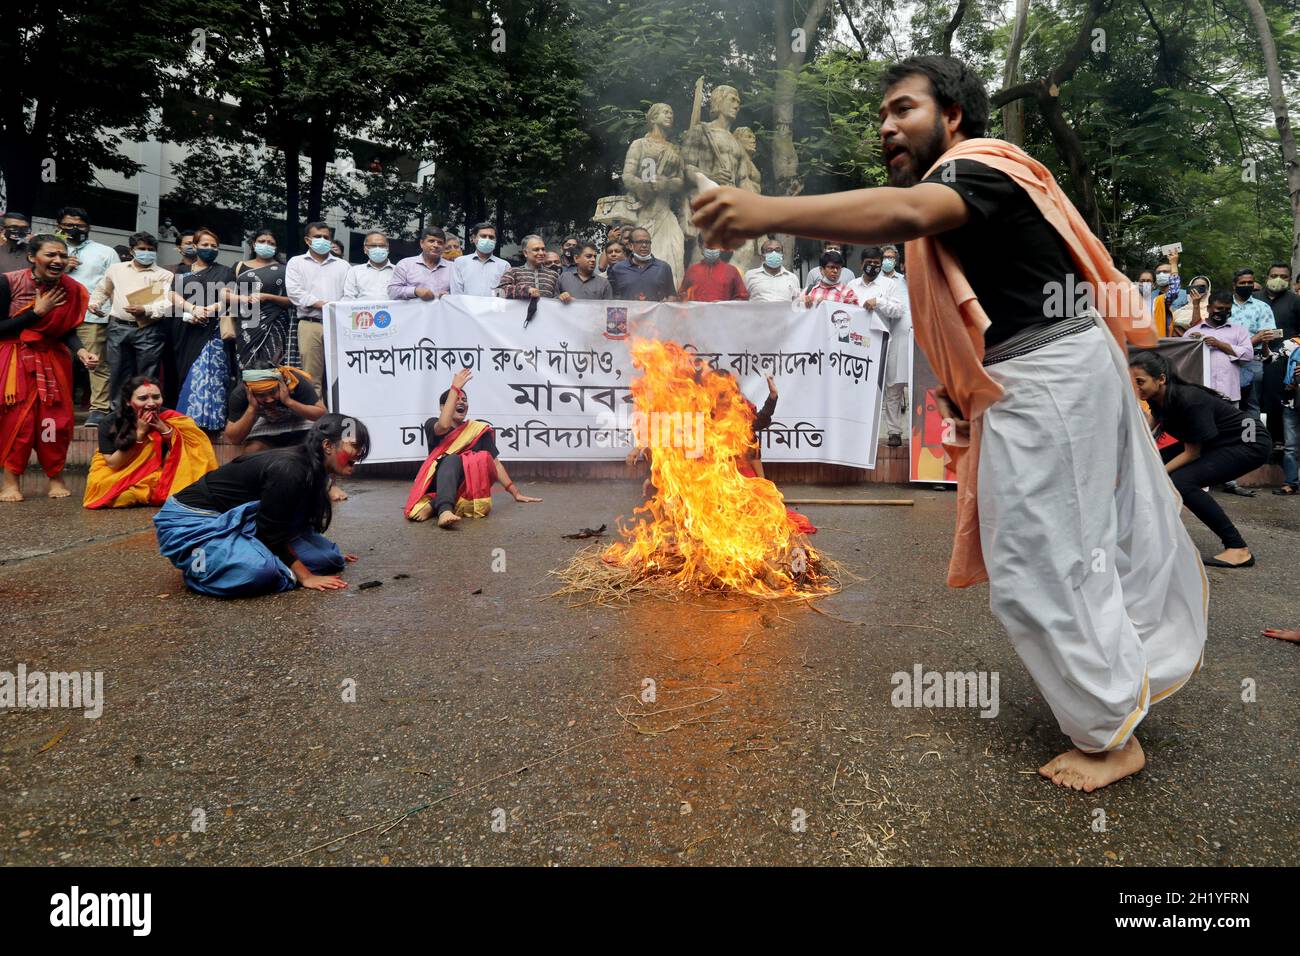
x: 707, y: 526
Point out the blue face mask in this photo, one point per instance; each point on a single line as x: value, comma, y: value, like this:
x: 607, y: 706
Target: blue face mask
x: 264, y: 250
x: 485, y: 245
x: 712, y: 255
x: 886, y: 265
x: 774, y: 260
x: 208, y: 256
x: 146, y: 257
x: 321, y: 246
x: 378, y: 255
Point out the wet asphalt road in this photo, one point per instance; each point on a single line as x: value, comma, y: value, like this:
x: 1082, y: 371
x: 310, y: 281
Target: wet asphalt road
x: 513, y: 727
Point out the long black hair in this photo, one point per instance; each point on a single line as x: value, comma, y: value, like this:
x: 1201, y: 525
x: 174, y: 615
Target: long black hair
x: 1156, y: 365
x: 334, y: 428
x: 124, y: 420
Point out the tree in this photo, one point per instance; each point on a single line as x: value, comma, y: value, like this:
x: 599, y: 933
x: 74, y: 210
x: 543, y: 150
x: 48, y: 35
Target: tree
x: 304, y: 74
x: 71, y: 73
x: 1286, y: 135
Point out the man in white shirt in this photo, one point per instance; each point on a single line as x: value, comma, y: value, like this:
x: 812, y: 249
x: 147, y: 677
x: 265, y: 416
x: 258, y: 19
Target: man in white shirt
x: 311, y: 280
x: 772, y: 281
x: 886, y: 296
x: 135, y: 337
x: 370, y: 279
x: 479, y: 272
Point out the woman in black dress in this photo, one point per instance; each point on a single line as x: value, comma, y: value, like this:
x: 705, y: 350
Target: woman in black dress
x: 1217, y: 442
x: 263, y: 306
x: 204, y: 358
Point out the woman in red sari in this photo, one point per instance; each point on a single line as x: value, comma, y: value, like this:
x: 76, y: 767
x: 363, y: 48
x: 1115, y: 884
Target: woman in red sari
x: 147, y: 453
x: 456, y: 479
x: 40, y: 309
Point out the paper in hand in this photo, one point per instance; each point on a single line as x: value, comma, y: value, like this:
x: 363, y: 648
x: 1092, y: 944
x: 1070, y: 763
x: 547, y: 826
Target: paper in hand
x: 702, y: 183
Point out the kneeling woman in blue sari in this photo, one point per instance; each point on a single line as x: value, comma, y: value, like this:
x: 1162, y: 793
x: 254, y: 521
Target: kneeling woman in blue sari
x: 255, y: 525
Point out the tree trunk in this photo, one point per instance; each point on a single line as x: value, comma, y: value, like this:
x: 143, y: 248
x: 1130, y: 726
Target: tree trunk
x: 1013, y: 114
x: 1286, y: 135
x: 953, y: 24
x: 322, y: 151
x: 20, y: 166
x: 1070, y: 148
x: 292, y: 196
x: 789, y: 61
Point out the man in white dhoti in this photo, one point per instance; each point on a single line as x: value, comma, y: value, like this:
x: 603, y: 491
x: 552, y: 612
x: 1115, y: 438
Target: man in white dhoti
x: 1064, y: 506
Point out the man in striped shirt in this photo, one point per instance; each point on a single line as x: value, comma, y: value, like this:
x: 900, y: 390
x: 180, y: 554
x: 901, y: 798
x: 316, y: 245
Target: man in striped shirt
x: 533, y: 279
x: 828, y: 286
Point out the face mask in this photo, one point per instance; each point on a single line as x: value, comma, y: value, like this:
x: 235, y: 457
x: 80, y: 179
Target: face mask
x: 887, y: 265
x: 712, y: 255
x: 188, y: 251
x: 774, y: 260
x: 321, y: 246
x: 1218, y: 318
x: 871, y: 271
x: 378, y: 255
x: 1145, y: 287
x: 264, y: 250
x: 75, y: 234
x: 208, y: 256
x: 1244, y: 291
x: 643, y: 258
x: 485, y: 245
x: 1162, y: 279
x: 1276, y: 285
x: 14, y: 235
x: 146, y: 257
x: 825, y: 280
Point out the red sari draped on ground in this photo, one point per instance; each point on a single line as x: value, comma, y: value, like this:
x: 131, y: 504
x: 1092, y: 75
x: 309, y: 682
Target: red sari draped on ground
x: 36, y: 378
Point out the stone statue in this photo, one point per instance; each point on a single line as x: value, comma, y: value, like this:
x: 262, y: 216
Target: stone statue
x: 747, y: 256
x: 713, y: 150
x: 653, y: 174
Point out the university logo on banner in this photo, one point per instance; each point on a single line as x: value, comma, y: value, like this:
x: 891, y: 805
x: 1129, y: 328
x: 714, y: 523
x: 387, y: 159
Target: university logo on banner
x: 371, y: 322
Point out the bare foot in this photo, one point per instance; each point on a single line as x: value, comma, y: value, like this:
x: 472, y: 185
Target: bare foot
x: 448, y: 519
x: 1282, y: 634
x: 9, y: 490
x: 337, y: 493
x: 58, y: 489
x: 1234, y: 555
x: 1088, y: 772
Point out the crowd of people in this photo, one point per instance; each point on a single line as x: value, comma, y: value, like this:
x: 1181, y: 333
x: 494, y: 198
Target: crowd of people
x: 176, y: 355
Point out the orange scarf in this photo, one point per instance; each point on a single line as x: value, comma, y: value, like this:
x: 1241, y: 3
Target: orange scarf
x: 949, y: 323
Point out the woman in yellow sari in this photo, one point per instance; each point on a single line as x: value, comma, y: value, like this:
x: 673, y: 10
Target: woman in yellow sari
x: 146, y: 452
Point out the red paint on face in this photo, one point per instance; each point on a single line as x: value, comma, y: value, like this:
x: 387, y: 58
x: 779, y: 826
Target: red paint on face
x: 343, y: 459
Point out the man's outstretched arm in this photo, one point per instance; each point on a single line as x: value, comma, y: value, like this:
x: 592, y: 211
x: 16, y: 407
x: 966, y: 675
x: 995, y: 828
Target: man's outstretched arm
x: 728, y: 216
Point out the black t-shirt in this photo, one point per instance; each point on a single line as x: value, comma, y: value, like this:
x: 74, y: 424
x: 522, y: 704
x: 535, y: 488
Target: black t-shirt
x: 1007, y: 251
x: 280, y: 479
x: 1192, y: 414
x: 278, y: 418
x: 484, y: 442
x: 1286, y: 313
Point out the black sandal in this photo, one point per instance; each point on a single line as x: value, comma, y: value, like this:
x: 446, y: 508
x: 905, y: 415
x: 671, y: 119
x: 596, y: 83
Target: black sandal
x: 1286, y: 490
x: 1216, y: 563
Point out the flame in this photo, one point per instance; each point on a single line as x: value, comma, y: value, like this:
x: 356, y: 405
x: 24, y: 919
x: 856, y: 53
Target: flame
x: 707, y: 526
